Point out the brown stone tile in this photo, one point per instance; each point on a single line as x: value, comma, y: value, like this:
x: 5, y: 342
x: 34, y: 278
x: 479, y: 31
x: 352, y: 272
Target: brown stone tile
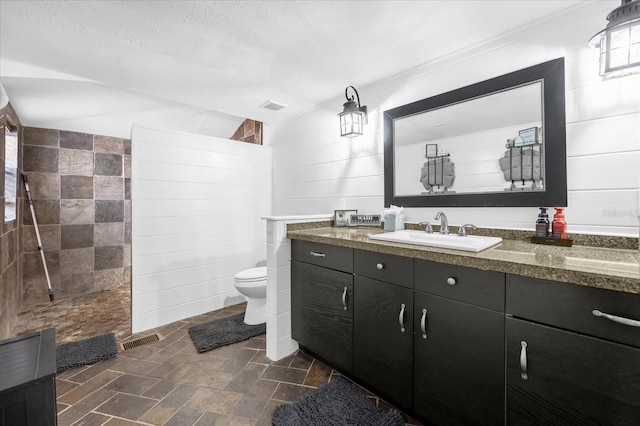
x: 159, y: 414
x: 76, y: 261
x: 319, y: 374
x: 61, y: 407
x: 180, y: 395
x: 161, y: 389
x: 64, y: 386
x: 108, y: 188
x: 39, y: 159
x: 41, y: 137
x: 301, y: 360
x: 92, y: 370
x: 108, y: 257
x: 49, y: 236
x: 108, y: 279
x: 109, y: 234
x: 110, y: 144
x: 44, y: 186
x: 76, y: 162
x: 256, y: 343
x: 135, y: 366
x: 186, y: 416
x: 120, y: 422
x: 76, y: 236
x: 128, y: 383
x: 215, y: 400
x: 284, y: 374
x: 76, y: 187
x: 109, y: 211
x: 47, y: 212
x: 289, y: 393
x: 160, y: 371
x: 83, y: 407
x: 76, y: 140
x: 108, y: 164
x: 265, y: 416
x: 127, y: 146
x: 209, y: 418
x: 256, y: 399
x: 242, y: 382
x: 77, y: 212
x: 92, y: 419
x: 128, y: 406
x: 208, y: 377
x: 74, y: 284
x: 89, y: 386
x: 239, y: 361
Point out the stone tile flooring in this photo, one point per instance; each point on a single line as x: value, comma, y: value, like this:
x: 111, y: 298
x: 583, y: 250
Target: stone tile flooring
x: 167, y: 382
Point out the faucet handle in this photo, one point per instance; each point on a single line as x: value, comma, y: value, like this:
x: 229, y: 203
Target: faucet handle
x: 427, y: 227
x: 462, y: 232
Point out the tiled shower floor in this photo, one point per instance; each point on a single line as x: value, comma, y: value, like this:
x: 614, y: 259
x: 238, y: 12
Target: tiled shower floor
x: 168, y: 382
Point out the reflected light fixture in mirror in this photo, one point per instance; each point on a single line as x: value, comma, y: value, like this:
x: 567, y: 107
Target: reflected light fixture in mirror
x: 619, y: 42
x: 353, y: 117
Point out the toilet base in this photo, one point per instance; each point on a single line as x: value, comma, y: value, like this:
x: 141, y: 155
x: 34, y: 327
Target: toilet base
x: 256, y: 312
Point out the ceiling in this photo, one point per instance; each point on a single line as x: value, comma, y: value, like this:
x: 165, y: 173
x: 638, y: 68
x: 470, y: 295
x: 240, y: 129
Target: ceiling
x: 213, y: 63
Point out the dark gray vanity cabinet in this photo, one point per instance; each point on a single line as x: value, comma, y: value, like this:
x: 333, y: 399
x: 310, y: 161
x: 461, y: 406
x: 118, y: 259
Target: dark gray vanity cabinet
x: 458, y: 345
x: 565, y: 365
x: 383, y: 324
x: 322, y: 302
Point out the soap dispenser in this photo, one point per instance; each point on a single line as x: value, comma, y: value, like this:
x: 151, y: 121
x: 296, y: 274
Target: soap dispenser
x: 559, y: 225
x: 542, y: 224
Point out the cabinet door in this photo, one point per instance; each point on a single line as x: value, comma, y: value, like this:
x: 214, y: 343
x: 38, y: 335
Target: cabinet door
x: 322, y: 313
x: 383, y: 338
x: 571, y: 379
x: 459, y: 365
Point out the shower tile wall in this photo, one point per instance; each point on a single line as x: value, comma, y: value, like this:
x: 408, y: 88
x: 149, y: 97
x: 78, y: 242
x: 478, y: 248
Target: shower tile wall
x: 80, y: 184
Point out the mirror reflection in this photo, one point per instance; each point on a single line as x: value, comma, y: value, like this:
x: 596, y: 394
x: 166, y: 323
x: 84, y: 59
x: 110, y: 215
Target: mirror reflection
x: 491, y: 143
x: 499, y: 142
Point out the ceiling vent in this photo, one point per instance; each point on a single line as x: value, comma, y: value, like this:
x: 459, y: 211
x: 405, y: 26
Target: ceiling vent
x: 273, y: 105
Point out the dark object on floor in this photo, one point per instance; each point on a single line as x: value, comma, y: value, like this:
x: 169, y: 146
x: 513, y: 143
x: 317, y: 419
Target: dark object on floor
x: 28, y: 379
x: 87, y: 351
x: 223, y: 331
x: 338, y: 403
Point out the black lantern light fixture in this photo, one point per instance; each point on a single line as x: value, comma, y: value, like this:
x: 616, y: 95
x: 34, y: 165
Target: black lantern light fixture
x: 353, y: 117
x: 619, y: 42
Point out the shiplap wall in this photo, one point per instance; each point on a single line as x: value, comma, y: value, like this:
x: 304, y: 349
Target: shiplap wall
x: 316, y: 171
x: 196, y: 205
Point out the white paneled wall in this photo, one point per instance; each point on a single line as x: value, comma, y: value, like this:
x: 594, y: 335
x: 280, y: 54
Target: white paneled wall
x: 317, y: 171
x: 196, y: 205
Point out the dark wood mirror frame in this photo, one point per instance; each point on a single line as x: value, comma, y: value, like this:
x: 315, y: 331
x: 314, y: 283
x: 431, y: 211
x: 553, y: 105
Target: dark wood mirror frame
x: 551, y: 74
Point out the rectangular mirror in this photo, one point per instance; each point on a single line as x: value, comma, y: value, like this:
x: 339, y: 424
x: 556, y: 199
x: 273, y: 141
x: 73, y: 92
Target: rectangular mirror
x: 500, y: 142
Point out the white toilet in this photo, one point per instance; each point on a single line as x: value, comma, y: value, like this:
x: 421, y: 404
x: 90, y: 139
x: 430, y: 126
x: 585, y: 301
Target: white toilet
x: 252, y: 283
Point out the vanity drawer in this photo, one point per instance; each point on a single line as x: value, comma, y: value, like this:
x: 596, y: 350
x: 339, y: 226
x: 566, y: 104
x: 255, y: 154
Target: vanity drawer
x: 384, y: 267
x: 328, y: 256
x: 571, y: 307
x: 469, y: 285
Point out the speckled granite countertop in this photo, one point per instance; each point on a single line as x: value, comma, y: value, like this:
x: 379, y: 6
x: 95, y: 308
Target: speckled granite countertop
x: 609, y: 268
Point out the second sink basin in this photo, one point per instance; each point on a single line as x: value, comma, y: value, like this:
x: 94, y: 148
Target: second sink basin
x: 473, y: 243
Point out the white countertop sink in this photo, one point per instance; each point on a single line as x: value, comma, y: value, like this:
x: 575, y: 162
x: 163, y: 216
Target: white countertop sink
x: 473, y: 243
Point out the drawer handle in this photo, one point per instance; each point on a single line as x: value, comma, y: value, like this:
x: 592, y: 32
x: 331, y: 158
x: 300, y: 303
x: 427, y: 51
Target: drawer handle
x: 344, y: 298
x: 620, y: 320
x: 523, y: 360
x: 423, y: 324
x: 451, y: 281
x: 401, y: 318
x: 380, y: 266
x: 316, y: 254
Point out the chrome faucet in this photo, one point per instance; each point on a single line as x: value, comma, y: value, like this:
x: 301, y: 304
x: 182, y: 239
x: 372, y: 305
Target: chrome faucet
x: 463, y: 229
x: 427, y: 227
x: 444, y: 224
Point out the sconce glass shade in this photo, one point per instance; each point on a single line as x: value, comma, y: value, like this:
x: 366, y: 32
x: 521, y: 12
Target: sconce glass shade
x: 619, y: 42
x: 353, y: 117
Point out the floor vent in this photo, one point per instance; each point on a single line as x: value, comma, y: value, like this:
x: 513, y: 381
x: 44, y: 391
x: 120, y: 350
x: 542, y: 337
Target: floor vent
x: 140, y: 342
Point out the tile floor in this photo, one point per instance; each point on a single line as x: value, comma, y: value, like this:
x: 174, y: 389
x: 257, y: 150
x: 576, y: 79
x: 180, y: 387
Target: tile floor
x: 168, y: 382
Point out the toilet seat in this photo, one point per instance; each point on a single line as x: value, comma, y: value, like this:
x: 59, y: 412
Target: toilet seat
x: 252, y: 275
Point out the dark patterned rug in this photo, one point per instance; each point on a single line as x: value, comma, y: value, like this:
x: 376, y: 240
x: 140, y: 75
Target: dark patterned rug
x: 84, y: 352
x: 223, y: 331
x: 338, y: 403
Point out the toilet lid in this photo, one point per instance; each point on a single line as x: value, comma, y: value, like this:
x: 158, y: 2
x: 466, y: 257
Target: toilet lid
x: 253, y: 274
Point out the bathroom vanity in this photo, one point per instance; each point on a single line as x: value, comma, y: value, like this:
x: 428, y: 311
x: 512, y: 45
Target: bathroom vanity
x: 504, y: 336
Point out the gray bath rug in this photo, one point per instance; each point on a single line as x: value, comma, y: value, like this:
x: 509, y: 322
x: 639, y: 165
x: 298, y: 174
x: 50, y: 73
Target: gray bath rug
x: 338, y: 403
x: 84, y: 352
x: 223, y: 331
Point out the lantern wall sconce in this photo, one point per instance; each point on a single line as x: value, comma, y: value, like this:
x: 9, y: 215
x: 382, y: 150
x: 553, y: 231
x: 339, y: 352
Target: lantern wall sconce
x: 353, y: 117
x: 619, y: 42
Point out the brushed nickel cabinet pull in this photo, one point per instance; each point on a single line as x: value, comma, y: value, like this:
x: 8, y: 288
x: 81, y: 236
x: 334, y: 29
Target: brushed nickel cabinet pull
x: 614, y: 318
x: 423, y: 324
x: 401, y: 318
x: 316, y: 254
x: 523, y: 360
x: 344, y: 298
